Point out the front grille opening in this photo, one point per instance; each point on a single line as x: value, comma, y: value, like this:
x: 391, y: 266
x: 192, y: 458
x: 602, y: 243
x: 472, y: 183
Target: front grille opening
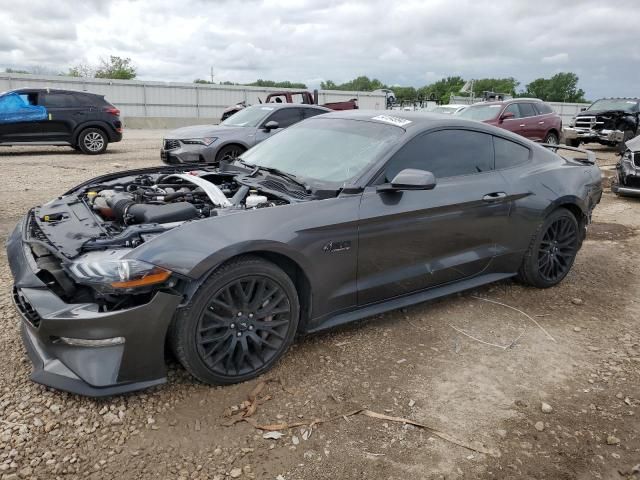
x: 171, y: 144
x: 25, y: 308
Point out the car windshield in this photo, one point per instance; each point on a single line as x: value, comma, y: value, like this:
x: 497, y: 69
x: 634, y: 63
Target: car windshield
x: 248, y: 117
x: 615, y: 104
x: 481, y: 112
x: 325, y: 151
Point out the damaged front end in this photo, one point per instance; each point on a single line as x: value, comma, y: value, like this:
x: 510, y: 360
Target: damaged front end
x: 600, y: 127
x: 627, y: 182
x: 96, y: 317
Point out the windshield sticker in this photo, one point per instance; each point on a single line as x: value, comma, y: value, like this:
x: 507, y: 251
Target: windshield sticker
x: 631, y: 102
x: 400, y: 122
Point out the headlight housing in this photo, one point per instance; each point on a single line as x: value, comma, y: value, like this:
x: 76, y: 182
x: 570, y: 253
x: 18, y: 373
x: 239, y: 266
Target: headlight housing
x: 572, y: 122
x: 118, y: 275
x: 199, y: 141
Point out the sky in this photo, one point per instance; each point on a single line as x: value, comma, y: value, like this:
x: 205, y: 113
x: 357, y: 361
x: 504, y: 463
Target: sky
x: 401, y: 42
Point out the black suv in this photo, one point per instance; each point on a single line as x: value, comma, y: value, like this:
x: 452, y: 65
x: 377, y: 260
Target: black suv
x: 85, y: 121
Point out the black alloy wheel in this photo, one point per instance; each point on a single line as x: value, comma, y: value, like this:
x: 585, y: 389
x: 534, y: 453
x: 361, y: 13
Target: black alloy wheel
x: 244, y: 326
x: 239, y: 322
x: 552, y: 250
x: 557, y: 249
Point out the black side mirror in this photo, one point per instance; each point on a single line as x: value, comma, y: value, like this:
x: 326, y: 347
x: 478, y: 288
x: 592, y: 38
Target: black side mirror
x: 410, y: 179
x: 582, y: 109
x: 272, y: 125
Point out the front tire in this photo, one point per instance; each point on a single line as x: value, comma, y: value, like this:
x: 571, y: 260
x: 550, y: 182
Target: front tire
x: 552, y: 251
x: 92, y: 141
x: 572, y: 142
x: 229, y: 153
x: 238, y: 324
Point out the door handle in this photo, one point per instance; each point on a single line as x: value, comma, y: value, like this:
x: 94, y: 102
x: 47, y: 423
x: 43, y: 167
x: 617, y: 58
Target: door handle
x: 541, y: 123
x: 523, y: 125
x: 494, y: 197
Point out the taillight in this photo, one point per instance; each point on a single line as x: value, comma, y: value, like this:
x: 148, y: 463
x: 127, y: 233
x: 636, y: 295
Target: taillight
x: 112, y: 111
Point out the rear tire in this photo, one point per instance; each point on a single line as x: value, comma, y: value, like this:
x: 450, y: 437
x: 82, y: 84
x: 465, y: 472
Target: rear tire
x: 551, y: 138
x: 552, y: 250
x: 238, y: 324
x: 92, y: 141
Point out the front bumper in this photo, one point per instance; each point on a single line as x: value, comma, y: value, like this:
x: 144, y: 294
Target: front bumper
x: 589, y: 134
x: 189, y: 154
x: 95, y: 371
x: 627, y: 182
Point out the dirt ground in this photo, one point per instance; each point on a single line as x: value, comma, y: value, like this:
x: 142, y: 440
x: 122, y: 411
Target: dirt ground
x: 578, y: 352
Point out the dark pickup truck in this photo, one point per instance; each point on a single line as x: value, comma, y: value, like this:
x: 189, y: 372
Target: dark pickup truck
x: 302, y: 97
x: 608, y: 121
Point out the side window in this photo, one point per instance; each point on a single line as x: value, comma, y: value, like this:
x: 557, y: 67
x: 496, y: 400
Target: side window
x: 29, y: 98
x: 311, y: 112
x: 527, y: 110
x: 445, y: 153
x: 509, y: 154
x: 543, y: 108
x: 285, y: 117
x: 84, y: 100
x: 56, y: 100
x: 513, y: 108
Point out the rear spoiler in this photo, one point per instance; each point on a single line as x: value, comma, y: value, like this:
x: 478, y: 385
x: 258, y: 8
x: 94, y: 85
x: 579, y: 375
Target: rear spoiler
x: 589, y: 158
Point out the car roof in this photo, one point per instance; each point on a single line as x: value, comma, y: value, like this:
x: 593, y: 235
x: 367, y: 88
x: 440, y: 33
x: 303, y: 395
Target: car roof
x: 421, y: 121
x: 509, y: 101
x: 51, y: 90
x: 279, y: 106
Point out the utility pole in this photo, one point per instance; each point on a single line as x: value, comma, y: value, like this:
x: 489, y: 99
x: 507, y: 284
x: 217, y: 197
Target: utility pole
x: 211, y: 73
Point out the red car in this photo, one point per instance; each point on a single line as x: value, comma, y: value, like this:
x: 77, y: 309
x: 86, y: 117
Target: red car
x: 529, y: 117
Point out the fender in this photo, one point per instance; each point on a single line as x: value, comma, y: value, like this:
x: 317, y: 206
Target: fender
x: 242, y: 143
x: 93, y: 123
x: 298, y: 231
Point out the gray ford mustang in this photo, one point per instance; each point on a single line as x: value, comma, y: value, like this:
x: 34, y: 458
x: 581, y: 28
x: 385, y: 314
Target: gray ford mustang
x: 250, y: 126
x: 340, y: 217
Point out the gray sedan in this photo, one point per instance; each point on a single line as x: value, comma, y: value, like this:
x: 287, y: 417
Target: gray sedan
x: 250, y: 126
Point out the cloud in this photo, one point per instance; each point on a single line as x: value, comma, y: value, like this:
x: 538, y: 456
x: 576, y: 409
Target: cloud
x: 329, y: 39
x: 556, y: 59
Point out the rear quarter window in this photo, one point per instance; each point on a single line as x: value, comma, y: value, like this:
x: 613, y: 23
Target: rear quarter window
x: 543, y: 108
x: 509, y: 154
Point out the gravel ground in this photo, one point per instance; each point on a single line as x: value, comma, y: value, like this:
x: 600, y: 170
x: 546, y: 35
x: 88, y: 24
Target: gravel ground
x: 563, y: 403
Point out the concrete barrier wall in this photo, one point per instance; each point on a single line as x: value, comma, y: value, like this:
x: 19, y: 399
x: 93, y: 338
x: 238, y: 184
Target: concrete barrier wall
x: 166, y: 105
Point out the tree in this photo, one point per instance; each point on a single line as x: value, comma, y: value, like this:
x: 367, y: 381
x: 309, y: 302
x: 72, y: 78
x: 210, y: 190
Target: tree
x: 116, y: 68
x: 80, y: 70
x: 361, y: 84
x: 497, y: 85
x: 200, y: 80
x: 13, y: 70
x: 562, y: 87
x: 442, y: 89
x: 271, y: 83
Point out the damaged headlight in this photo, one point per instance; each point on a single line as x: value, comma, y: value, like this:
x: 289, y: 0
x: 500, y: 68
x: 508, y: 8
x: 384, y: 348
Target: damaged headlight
x: 206, y: 141
x: 119, y: 275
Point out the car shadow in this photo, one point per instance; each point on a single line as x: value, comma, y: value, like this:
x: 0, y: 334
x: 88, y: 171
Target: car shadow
x: 31, y: 153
